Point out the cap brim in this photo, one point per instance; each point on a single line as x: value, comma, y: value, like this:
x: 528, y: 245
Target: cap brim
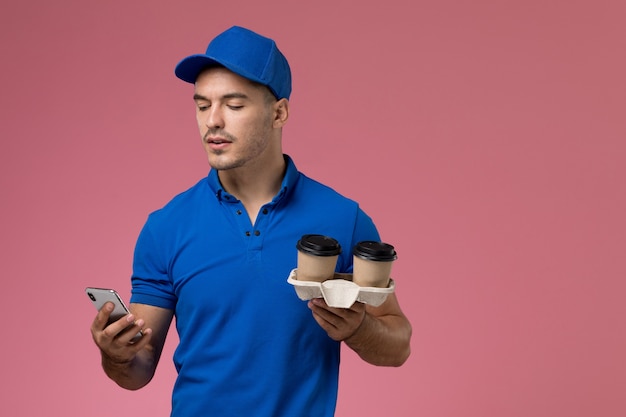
x: 189, y: 68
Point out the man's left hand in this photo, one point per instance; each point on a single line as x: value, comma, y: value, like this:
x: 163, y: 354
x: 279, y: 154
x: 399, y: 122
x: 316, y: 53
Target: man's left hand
x: 339, y: 323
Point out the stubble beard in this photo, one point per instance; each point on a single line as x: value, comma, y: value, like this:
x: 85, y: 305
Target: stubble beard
x: 221, y: 160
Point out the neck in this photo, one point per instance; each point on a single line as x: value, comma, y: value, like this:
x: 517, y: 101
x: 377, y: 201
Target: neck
x: 255, y: 186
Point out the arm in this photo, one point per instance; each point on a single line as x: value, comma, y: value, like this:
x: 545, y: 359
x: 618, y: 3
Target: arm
x: 379, y: 335
x: 131, y: 365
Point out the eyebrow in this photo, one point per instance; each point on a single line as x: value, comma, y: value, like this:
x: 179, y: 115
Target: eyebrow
x: 225, y: 96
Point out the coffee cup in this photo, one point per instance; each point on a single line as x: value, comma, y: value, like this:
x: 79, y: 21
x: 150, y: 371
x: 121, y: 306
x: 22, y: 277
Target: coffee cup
x: 317, y: 257
x: 372, y: 263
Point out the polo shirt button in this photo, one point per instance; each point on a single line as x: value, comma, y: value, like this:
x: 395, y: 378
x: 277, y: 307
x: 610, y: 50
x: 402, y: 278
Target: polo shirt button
x: 256, y: 233
x: 247, y: 233
x: 265, y: 211
x: 239, y: 212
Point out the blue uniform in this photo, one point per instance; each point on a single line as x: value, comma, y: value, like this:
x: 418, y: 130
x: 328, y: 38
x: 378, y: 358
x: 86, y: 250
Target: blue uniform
x: 248, y: 345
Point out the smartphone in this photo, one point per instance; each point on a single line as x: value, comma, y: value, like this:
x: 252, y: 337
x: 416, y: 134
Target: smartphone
x: 99, y: 296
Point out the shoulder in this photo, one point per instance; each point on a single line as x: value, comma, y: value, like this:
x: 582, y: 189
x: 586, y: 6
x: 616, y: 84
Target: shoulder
x: 312, y: 189
x: 184, y: 203
x: 301, y: 188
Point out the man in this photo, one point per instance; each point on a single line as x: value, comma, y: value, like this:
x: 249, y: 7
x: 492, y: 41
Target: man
x: 218, y: 256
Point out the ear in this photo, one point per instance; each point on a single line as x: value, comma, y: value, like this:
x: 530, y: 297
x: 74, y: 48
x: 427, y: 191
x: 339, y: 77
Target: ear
x: 281, y: 112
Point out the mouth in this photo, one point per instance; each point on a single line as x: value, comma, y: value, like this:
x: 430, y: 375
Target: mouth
x: 217, y: 141
x: 217, y: 144
x: 217, y: 137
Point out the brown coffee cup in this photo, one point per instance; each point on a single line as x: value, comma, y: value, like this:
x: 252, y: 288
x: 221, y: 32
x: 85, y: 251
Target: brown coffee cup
x: 372, y: 263
x: 317, y: 257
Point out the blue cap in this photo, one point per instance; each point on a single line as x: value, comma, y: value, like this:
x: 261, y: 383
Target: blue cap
x: 245, y: 53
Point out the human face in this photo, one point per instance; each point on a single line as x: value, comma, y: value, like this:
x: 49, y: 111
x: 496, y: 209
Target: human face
x: 235, y: 118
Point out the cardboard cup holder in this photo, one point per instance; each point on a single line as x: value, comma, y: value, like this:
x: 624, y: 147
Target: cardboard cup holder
x: 340, y: 291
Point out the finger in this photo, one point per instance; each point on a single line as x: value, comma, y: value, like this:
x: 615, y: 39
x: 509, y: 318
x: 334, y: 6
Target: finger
x: 122, y: 326
x: 343, y: 313
x: 133, y: 333
x: 323, y: 323
x: 101, y: 319
x: 321, y: 310
x: 133, y: 336
x: 357, y: 308
x: 336, y: 328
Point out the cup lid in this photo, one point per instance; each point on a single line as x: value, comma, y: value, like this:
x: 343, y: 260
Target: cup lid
x: 319, y: 245
x: 375, y: 251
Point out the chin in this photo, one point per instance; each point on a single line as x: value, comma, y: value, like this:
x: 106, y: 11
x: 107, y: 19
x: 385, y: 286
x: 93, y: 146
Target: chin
x: 222, y: 164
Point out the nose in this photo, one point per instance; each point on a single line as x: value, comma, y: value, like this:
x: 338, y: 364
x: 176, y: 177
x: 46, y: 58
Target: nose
x: 214, y: 118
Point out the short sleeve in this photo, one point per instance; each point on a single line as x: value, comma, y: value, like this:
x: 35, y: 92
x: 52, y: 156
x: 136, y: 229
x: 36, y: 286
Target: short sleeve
x: 151, y: 283
x: 364, y: 229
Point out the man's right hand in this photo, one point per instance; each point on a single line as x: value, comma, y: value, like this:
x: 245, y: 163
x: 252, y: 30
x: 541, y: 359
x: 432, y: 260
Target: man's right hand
x: 119, y: 341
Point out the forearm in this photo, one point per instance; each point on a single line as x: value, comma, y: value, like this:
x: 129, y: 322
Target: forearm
x: 131, y: 375
x: 382, y: 341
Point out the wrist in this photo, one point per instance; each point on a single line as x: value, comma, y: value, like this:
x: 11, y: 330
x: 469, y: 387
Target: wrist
x: 114, y: 362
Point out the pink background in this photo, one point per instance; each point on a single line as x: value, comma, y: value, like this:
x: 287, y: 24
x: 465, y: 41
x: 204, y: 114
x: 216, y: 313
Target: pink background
x: 486, y: 138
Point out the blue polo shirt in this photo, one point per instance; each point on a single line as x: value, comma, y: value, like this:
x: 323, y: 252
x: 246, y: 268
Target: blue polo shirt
x: 248, y: 346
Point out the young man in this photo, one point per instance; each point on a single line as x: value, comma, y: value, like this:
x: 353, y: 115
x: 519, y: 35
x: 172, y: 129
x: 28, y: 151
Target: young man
x: 218, y: 256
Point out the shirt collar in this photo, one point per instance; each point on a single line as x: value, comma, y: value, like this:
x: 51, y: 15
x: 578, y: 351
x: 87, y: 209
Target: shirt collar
x: 289, y: 181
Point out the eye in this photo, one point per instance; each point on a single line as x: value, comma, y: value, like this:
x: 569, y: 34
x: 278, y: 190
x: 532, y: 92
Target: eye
x: 235, y: 107
x: 202, y: 106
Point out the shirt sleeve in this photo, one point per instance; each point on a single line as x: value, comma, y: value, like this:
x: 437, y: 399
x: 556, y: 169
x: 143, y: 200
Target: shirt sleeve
x: 151, y: 283
x: 364, y: 229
